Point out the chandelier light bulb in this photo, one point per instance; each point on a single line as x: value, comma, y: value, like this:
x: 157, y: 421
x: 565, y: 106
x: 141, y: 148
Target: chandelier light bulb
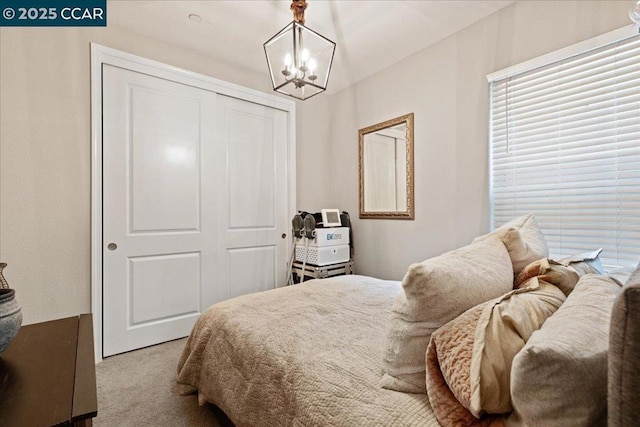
x: 304, y: 58
x: 287, y: 60
x: 312, y: 69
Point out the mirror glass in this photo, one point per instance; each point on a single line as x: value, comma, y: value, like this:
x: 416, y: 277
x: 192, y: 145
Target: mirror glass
x: 386, y: 169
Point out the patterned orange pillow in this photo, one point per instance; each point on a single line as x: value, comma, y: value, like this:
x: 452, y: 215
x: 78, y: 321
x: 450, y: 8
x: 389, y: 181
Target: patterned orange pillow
x: 448, y: 368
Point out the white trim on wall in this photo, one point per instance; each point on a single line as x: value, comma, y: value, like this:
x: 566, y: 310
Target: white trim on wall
x: 103, y: 55
x: 567, y: 52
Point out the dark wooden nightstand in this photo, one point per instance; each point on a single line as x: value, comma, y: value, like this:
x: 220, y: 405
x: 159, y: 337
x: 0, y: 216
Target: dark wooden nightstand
x: 48, y: 376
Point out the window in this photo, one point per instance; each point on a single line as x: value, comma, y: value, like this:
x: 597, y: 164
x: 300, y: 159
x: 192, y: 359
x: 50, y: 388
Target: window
x: 565, y: 145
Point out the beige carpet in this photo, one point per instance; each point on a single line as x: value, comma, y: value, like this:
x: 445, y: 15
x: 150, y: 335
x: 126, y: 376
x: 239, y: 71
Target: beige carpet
x: 137, y: 389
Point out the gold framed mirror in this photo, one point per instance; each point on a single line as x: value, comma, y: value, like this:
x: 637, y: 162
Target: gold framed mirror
x: 386, y: 169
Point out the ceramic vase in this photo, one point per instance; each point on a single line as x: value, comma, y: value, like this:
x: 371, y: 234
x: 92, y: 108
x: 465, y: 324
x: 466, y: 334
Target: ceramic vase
x: 10, y: 312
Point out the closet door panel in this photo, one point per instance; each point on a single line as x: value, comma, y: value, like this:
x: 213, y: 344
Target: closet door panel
x: 159, y: 216
x: 254, y: 187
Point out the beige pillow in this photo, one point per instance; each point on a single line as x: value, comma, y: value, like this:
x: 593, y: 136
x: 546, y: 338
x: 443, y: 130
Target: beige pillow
x: 623, y: 274
x: 435, y: 292
x: 560, y: 376
x: 524, y: 241
x: 624, y: 356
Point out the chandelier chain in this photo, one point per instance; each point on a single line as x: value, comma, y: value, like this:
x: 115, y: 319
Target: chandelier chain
x: 297, y: 8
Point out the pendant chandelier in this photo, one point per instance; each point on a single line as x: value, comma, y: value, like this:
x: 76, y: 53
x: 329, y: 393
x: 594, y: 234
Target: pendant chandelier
x: 299, y: 59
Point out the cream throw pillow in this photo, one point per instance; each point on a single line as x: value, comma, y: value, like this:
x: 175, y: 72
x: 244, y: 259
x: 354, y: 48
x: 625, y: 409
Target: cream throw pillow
x: 524, y: 241
x: 560, y: 376
x: 503, y: 329
x: 435, y: 292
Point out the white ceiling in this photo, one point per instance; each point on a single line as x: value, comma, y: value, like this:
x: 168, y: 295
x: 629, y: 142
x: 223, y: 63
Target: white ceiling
x: 370, y: 35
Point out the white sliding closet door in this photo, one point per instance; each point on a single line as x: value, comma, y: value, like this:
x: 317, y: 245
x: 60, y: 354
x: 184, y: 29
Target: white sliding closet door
x: 195, y: 204
x: 252, y: 208
x: 159, y: 207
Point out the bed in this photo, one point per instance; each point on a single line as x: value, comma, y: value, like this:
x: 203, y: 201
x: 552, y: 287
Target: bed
x: 307, y: 355
x: 491, y: 333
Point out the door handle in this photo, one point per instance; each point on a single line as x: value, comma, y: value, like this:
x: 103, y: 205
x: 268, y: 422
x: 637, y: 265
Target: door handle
x: 284, y: 235
x: 112, y: 246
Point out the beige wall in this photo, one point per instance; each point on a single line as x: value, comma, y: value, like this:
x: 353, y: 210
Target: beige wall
x: 445, y: 86
x: 45, y: 154
x: 313, y: 152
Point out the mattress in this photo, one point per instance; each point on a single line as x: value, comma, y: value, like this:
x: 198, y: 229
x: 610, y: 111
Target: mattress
x: 304, y: 355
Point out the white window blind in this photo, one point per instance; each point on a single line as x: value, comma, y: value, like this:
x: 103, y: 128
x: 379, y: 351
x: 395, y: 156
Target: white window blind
x: 565, y: 146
